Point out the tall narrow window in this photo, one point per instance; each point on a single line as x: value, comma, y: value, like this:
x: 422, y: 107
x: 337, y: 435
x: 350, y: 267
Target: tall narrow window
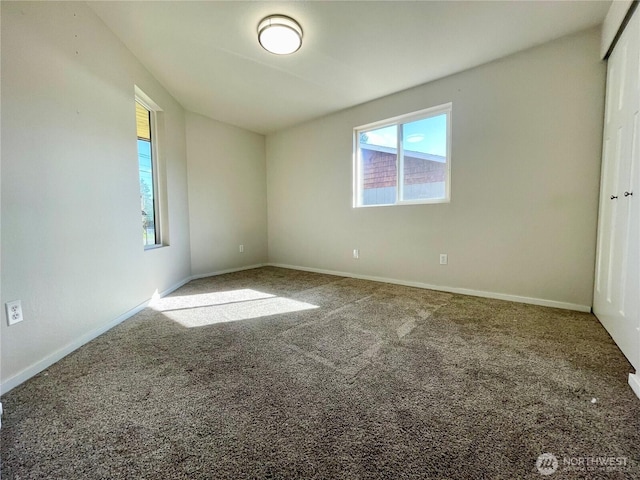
x: 148, y: 176
x: 404, y: 160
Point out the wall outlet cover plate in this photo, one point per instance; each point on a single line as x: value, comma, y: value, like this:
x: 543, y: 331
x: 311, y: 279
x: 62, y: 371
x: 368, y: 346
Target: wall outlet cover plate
x: 14, y: 312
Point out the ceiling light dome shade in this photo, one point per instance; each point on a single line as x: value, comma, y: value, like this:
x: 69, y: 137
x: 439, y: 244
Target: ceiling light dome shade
x: 279, y: 34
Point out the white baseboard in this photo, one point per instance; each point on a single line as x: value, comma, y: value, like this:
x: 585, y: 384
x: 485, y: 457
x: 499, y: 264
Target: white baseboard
x: 49, y: 360
x: 634, y: 383
x: 463, y: 291
x: 229, y: 270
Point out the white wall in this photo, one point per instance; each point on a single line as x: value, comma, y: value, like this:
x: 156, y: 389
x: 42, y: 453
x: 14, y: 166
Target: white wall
x: 526, y: 153
x: 71, y: 233
x: 227, y: 195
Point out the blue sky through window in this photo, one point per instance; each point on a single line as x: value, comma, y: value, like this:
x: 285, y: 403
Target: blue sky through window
x: 428, y: 135
x: 144, y: 160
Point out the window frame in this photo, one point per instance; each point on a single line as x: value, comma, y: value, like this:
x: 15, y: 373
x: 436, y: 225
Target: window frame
x: 153, y: 109
x: 399, y: 121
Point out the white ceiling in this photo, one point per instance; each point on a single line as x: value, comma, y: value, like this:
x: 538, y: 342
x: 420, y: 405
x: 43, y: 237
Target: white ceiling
x: 207, y: 56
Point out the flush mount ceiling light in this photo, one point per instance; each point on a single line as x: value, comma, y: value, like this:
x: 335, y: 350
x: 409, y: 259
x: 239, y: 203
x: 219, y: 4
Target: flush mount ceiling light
x: 279, y: 34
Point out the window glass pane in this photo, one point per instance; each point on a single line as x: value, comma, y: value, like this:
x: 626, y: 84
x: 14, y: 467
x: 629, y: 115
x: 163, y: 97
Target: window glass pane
x: 424, y: 144
x: 404, y: 159
x: 379, y: 157
x: 145, y: 166
x: 143, y: 126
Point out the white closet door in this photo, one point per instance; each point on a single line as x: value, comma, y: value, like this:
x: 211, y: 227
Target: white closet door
x: 617, y: 287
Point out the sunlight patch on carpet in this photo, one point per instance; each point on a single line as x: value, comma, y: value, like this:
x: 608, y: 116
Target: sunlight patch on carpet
x: 230, y: 306
x: 179, y: 302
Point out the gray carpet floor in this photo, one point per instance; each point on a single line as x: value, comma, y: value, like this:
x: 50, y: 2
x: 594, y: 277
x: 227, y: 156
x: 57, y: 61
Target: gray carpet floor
x: 274, y: 373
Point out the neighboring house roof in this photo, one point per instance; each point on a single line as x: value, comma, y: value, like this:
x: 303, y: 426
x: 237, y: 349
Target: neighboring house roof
x: 379, y: 167
x: 407, y: 152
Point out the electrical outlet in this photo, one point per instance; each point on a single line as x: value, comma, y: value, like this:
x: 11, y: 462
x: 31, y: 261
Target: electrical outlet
x: 241, y: 248
x: 444, y: 259
x: 356, y: 253
x: 14, y: 312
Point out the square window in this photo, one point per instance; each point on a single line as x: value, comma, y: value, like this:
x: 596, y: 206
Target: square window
x: 404, y: 160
